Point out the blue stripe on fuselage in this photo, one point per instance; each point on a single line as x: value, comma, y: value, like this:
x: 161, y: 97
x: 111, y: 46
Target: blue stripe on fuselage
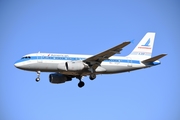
x: 74, y: 59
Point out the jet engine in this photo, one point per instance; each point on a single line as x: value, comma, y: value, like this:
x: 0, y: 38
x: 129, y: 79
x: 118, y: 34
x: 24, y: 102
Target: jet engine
x: 58, y: 78
x: 72, y: 66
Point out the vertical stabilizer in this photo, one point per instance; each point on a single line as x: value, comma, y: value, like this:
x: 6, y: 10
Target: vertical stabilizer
x: 144, y: 48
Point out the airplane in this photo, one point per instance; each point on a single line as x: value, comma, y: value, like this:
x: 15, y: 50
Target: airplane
x: 68, y: 66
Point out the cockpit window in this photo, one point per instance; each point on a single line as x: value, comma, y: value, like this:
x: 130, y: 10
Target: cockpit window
x: 26, y: 57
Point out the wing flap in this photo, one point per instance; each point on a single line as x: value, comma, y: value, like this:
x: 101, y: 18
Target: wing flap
x: 154, y: 58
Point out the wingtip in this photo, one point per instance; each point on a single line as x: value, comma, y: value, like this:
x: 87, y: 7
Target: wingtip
x: 164, y: 54
x: 128, y: 42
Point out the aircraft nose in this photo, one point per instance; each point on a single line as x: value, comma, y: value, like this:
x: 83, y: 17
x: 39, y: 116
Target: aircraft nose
x: 16, y: 65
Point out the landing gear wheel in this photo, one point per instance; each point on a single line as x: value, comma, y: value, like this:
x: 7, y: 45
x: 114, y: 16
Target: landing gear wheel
x: 81, y: 84
x: 37, y: 79
x: 92, y: 76
x: 38, y: 76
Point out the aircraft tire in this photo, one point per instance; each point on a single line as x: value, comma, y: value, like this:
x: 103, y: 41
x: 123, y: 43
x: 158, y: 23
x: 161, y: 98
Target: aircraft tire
x: 37, y: 79
x: 81, y: 84
x: 92, y: 76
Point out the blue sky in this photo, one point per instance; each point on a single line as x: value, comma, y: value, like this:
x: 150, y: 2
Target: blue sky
x: 89, y: 27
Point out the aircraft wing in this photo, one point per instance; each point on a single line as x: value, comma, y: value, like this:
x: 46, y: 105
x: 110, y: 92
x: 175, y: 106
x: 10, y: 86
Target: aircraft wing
x: 96, y: 60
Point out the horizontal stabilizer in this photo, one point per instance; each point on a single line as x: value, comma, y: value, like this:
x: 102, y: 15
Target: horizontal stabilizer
x: 154, y: 58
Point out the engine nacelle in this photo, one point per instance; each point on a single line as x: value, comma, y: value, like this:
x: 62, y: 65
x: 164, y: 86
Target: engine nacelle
x: 72, y: 66
x: 58, y: 78
x: 62, y: 66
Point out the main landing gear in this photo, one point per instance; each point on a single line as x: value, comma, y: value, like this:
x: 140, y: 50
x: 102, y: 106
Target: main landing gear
x: 92, y: 76
x: 81, y: 83
x: 38, y: 76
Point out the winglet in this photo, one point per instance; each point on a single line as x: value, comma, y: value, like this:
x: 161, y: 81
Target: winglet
x: 154, y: 58
x: 132, y: 41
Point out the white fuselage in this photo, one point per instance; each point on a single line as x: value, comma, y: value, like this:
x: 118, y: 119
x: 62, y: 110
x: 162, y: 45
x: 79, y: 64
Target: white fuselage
x: 48, y: 62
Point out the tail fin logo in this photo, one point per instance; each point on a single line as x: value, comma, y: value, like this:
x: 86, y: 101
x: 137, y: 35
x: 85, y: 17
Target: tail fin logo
x: 147, y: 43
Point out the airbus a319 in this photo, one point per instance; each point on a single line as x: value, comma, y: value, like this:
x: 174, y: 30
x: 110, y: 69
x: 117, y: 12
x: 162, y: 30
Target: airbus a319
x: 68, y: 66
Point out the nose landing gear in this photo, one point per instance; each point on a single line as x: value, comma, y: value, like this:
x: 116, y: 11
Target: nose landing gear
x: 38, y: 76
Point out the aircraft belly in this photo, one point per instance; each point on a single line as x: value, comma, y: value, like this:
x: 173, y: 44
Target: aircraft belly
x: 100, y: 69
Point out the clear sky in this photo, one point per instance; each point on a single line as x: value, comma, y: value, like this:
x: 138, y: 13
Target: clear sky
x: 89, y: 27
